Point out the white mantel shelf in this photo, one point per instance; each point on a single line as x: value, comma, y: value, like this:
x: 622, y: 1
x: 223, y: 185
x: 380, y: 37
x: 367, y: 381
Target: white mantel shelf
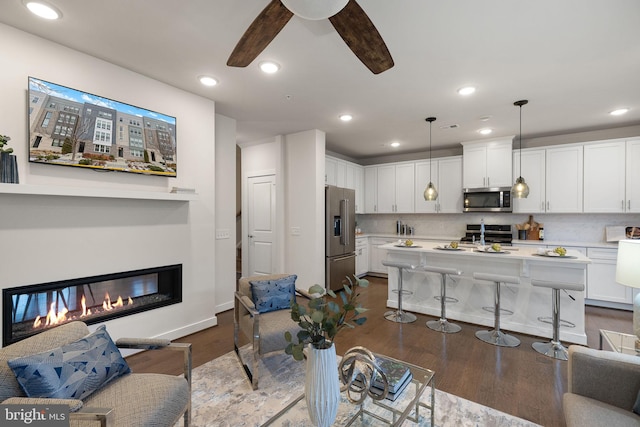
x: 49, y: 190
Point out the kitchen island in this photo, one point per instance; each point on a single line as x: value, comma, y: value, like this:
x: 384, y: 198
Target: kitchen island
x: 475, y: 297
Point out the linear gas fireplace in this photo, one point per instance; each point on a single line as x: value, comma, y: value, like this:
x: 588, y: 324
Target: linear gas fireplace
x: 28, y: 310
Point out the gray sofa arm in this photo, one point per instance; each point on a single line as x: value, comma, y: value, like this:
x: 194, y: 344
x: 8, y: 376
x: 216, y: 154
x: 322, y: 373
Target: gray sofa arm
x: 606, y: 376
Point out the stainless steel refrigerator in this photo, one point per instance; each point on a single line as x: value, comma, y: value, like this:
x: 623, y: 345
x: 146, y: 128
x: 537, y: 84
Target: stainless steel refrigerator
x: 340, y: 230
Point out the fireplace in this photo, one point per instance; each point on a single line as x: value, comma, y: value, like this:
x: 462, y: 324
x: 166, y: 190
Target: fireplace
x: 28, y: 310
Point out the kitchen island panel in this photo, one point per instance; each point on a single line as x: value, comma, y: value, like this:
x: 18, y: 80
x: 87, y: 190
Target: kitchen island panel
x: 526, y: 301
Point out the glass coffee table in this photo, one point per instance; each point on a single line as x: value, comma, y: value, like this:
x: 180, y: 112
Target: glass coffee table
x: 619, y: 342
x: 371, y: 412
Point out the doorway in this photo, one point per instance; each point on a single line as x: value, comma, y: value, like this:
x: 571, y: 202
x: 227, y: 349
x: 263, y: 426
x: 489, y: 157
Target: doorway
x: 261, y: 225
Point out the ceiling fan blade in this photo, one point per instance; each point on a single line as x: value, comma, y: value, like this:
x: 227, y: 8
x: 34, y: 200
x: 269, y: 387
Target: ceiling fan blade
x: 362, y: 37
x: 260, y: 33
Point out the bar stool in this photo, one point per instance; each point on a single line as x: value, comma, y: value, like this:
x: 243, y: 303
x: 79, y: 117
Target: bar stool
x: 442, y: 325
x: 554, y: 348
x: 399, y: 315
x: 496, y: 336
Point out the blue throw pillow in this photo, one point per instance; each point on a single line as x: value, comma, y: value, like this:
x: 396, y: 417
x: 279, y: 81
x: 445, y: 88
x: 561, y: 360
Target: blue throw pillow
x: 636, y: 406
x: 272, y: 295
x: 72, y: 371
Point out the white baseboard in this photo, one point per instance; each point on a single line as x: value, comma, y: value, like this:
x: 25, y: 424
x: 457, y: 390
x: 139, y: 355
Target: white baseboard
x: 224, y: 307
x: 189, y: 329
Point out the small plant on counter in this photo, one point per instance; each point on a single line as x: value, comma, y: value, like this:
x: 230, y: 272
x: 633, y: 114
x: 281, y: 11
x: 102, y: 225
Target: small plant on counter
x: 324, y: 318
x: 4, y: 140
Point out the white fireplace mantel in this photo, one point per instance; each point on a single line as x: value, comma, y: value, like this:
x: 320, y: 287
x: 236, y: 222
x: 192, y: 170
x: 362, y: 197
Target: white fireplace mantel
x: 49, y: 190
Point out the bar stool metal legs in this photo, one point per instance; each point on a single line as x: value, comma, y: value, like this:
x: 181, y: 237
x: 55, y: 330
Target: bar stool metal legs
x: 399, y: 315
x: 442, y: 324
x: 554, y: 348
x: 496, y: 336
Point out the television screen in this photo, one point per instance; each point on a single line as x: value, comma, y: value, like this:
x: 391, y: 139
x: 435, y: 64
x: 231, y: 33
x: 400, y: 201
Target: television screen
x: 70, y: 127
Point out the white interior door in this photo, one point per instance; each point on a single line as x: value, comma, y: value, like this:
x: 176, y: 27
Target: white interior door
x: 261, y: 224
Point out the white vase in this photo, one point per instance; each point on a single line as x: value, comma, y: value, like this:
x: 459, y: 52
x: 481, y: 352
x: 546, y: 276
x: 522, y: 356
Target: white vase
x: 322, y: 386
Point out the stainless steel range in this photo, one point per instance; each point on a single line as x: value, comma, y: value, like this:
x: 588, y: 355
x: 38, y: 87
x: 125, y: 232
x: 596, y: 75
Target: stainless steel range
x: 493, y: 233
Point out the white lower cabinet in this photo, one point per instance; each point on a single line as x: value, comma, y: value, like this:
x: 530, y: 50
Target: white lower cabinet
x: 362, y: 256
x: 601, y: 278
x: 376, y: 255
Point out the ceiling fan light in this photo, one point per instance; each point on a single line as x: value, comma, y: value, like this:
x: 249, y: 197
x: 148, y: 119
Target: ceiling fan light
x: 520, y: 189
x: 315, y: 9
x: 430, y: 193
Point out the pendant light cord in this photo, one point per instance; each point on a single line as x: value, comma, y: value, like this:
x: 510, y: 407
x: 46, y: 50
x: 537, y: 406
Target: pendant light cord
x: 520, y: 104
x: 430, y: 161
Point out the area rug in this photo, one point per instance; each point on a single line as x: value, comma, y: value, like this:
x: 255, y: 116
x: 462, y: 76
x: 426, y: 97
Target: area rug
x: 222, y: 396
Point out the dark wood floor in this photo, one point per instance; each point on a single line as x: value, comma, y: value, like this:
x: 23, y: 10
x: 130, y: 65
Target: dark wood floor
x: 518, y: 381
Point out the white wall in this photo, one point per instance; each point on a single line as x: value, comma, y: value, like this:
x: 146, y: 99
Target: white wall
x: 48, y: 238
x: 297, y: 160
x: 305, y: 254
x: 260, y: 158
x: 225, y: 172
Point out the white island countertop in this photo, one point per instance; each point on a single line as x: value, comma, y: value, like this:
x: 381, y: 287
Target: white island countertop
x: 521, y: 253
x: 475, y: 298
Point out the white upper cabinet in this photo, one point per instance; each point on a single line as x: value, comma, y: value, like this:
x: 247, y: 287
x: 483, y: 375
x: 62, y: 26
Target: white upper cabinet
x: 564, y: 179
x: 330, y: 165
x: 370, y: 189
x: 533, y: 172
x: 355, y: 180
x: 446, y: 175
x: 604, y: 177
x: 348, y: 175
x: 426, y: 170
x: 633, y: 176
x: 450, y: 199
x: 487, y: 163
x: 395, y: 184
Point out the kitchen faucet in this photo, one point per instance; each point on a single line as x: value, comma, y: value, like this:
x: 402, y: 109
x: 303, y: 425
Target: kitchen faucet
x: 482, y: 232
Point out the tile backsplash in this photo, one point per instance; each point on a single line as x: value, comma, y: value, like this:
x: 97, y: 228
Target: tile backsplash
x: 589, y: 228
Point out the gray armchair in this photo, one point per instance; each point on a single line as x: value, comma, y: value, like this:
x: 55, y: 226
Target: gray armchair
x: 603, y: 387
x: 264, y: 331
x: 129, y: 400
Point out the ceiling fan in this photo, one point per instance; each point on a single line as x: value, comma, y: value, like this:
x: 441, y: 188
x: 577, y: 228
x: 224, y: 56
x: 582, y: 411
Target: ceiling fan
x: 346, y: 16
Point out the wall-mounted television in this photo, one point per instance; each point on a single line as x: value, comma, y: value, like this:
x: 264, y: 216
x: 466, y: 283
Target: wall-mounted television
x: 69, y: 127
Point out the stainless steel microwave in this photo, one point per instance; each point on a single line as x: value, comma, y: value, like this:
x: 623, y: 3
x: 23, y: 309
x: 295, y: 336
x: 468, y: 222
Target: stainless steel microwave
x: 496, y: 199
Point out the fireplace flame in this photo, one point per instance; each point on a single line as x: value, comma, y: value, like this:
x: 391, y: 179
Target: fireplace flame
x: 55, y: 317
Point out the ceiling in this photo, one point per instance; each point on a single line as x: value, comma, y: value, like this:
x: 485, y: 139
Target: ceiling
x: 574, y: 60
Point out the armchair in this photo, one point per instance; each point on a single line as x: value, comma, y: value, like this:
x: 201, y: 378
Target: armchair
x: 265, y: 331
x: 603, y: 387
x: 130, y: 399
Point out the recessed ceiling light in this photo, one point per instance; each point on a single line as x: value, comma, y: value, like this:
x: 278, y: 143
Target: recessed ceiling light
x: 346, y: 117
x: 619, y: 112
x: 42, y: 9
x: 269, y: 67
x: 395, y: 144
x: 208, y: 80
x: 467, y: 90
x: 485, y: 131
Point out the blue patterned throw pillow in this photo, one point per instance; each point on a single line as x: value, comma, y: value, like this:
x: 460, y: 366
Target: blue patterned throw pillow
x: 272, y: 295
x: 72, y: 371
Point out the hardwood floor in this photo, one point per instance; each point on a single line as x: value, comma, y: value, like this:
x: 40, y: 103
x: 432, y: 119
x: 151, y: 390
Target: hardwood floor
x: 518, y: 381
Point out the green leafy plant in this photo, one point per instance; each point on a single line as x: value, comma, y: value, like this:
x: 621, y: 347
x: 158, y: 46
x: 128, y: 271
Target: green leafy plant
x: 4, y: 140
x: 324, y: 317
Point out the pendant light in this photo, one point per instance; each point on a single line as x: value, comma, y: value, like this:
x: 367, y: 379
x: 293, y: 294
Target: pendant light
x: 520, y: 189
x: 430, y: 193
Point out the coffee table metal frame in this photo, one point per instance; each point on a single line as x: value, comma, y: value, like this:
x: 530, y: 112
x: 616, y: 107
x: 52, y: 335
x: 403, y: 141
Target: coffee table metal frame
x: 422, y: 378
x: 619, y: 342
